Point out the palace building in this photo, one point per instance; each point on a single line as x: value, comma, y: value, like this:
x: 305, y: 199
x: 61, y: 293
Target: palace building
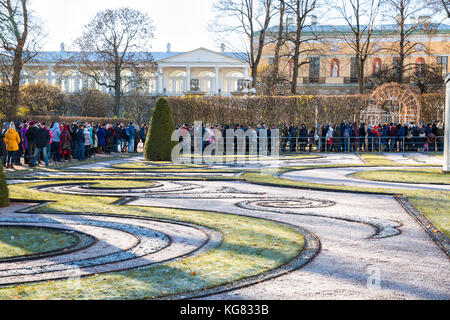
x: 200, y: 71
x: 329, y: 65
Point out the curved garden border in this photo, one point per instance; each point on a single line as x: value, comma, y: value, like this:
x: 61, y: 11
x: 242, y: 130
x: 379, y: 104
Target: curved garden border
x: 84, y: 241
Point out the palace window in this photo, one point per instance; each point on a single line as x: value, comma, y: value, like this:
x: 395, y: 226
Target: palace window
x: 353, y: 71
x: 231, y: 81
x: 443, y: 65
x: 314, y: 69
x: 420, y: 66
x: 291, y: 67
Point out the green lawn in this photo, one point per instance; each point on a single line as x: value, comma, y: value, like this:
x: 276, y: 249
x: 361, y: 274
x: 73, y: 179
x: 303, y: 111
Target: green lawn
x: 21, y: 241
x: 409, y: 176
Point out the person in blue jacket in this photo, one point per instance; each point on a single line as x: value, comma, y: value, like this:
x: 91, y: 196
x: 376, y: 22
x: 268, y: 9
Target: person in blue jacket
x: 131, y: 137
x: 144, y: 132
x: 101, y: 136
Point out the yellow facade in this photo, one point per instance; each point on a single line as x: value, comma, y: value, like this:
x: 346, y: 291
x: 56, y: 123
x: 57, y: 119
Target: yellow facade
x: 331, y: 48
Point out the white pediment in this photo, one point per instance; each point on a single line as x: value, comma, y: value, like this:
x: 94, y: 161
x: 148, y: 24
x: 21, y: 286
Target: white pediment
x: 202, y: 55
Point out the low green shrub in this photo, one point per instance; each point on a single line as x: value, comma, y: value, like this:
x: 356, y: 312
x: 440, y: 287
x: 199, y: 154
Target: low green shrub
x: 4, y: 194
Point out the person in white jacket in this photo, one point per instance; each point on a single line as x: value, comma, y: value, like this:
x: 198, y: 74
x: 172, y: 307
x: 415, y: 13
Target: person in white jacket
x: 330, y: 137
x: 87, y: 142
x: 55, y: 146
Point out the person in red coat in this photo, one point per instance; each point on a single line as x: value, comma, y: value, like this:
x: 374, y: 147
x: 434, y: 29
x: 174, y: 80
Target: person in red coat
x: 65, y: 144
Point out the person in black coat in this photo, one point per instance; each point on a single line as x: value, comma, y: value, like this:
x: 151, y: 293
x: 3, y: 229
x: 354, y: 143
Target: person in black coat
x: 41, y: 141
x: 293, y: 133
x: 80, y: 141
x: 303, y: 140
x: 362, y: 133
x: 3, y: 147
x: 31, y: 133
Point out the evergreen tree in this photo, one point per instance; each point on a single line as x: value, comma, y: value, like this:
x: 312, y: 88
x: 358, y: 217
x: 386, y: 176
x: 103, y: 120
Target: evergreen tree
x: 158, y: 145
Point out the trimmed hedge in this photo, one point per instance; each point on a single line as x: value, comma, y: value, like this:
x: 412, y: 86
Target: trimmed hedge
x: 277, y: 110
x: 4, y: 194
x: 274, y: 110
x: 159, y: 144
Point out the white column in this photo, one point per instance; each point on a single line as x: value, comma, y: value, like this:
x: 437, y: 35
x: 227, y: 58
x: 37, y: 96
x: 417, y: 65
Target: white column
x: 77, y: 82
x: 160, y: 82
x: 246, y: 73
x: 447, y: 128
x: 50, y: 75
x: 66, y: 84
x: 188, y: 79
x: 217, y: 80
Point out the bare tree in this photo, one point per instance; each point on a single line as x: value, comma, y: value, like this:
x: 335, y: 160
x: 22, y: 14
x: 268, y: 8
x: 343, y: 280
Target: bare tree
x: 359, y: 16
x: 401, y: 12
x: 427, y: 78
x: 20, y: 40
x: 250, y: 18
x: 89, y: 103
x: 274, y: 77
x: 439, y: 6
x: 138, y: 106
x: 300, y: 10
x: 115, y: 50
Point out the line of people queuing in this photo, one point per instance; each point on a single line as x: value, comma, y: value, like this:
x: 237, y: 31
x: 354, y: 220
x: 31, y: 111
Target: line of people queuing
x: 209, y: 134
x: 36, y: 141
x: 345, y: 137
x: 352, y: 137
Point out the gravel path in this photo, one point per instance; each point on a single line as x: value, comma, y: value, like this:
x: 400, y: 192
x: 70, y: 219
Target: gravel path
x: 342, y: 177
x: 407, y: 262
x: 413, y: 158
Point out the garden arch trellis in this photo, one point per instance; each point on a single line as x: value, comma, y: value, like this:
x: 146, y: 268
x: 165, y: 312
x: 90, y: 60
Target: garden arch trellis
x: 392, y: 103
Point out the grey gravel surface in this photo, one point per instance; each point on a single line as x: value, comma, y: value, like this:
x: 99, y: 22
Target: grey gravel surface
x: 371, y: 248
x: 342, y: 177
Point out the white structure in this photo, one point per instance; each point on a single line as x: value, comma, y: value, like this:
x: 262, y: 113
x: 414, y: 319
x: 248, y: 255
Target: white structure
x: 216, y: 73
x: 447, y: 128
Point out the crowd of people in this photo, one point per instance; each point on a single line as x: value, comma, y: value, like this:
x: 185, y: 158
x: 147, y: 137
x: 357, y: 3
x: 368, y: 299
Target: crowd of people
x: 352, y: 137
x: 344, y: 137
x: 32, y: 142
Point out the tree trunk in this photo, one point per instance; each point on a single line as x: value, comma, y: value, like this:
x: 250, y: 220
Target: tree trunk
x: 117, y: 92
x: 360, y: 67
x: 254, y: 75
x: 15, y: 83
x: 295, y: 74
x: 274, y: 79
x: 296, y: 57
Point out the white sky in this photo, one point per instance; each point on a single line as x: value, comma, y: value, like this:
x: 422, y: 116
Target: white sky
x: 183, y: 23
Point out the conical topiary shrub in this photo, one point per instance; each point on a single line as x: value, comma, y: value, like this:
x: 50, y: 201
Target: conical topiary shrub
x: 159, y: 145
x: 4, y: 195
